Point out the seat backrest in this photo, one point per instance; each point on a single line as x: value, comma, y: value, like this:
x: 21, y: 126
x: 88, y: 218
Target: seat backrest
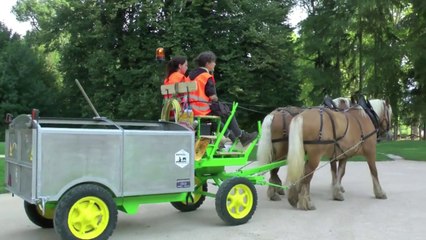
x: 167, y: 89
x: 186, y: 87
x: 178, y: 88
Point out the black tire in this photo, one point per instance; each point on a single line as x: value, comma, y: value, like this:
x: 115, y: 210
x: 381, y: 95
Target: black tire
x: 35, y: 215
x: 239, y: 191
x: 192, y: 203
x: 90, y: 198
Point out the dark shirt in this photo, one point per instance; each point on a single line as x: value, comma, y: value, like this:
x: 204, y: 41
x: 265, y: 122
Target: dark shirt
x: 210, y: 88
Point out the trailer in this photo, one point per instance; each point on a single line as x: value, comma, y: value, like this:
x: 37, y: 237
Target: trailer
x: 74, y: 175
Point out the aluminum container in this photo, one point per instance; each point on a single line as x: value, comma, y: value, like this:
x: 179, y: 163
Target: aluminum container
x: 46, y: 157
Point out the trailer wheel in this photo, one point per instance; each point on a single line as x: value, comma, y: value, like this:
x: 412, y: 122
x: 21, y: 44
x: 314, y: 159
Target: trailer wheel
x: 36, y: 216
x: 236, y: 200
x: 86, y: 212
x: 193, y: 200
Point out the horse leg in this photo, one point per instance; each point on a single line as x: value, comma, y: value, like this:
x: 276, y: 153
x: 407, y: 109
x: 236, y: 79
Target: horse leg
x: 279, y: 152
x: 342, y: 171
x: 337, y: 187
x: 274, y: 192
x: 371, y: 160
x: 334, y: 177
x: 333, y: 169
x: 293, y: 194
x: 305, y: 202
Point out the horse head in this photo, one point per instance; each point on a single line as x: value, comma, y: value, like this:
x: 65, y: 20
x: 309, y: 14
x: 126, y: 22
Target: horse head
x: 384, y: 112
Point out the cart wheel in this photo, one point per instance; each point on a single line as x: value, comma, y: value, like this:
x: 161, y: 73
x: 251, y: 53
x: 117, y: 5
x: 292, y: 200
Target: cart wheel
x: 36, y: 216
x: 193, y: 201
x: 236, y: 200
x: 86, y: 212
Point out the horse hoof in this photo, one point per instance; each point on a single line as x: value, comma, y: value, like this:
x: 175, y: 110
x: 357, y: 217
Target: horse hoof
x: 305, y: 206
x: 292, y: 202
x: 339, y: 198
x: 382, y: 196
x: 280, y: 191
x: 275, y: 198
x: 272, y: 194
x: 293, y: 196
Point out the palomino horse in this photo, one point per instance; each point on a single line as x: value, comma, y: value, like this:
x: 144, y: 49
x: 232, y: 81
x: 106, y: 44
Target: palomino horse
x: 339, y: 136
x: 273, y: 143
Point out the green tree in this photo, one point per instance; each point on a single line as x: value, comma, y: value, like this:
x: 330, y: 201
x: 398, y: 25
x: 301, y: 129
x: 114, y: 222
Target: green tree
x: 416, y: 50
x: 109, y: 47
x: 24, y: 81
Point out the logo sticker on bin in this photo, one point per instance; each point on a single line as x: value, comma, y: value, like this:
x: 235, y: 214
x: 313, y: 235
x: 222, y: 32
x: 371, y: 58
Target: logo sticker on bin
x: 183, y: 183
x: 182, y: 158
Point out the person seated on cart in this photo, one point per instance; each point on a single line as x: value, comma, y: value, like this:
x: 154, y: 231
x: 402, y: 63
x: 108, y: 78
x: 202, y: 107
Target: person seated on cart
x: 204, y: 101
x: 176, y: 69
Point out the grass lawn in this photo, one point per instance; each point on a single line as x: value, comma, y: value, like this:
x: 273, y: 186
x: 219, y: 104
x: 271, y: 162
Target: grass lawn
x: 410, y: 150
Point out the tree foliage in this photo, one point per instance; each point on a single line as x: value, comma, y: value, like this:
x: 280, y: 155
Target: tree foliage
x: 373, y: 46
x: 25, y: 81
x: 109, y: 47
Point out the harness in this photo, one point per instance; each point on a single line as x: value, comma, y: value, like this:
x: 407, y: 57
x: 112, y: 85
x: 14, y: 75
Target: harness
x: 335, y: 139
x: 337, y: 147
x: 283, y: 111
x: 369, y: 111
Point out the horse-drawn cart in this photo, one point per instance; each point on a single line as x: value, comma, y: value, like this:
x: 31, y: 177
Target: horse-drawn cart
x: 74, y: 174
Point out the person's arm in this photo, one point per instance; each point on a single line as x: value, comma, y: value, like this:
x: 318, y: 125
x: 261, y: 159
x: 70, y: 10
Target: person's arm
x: 210, y: 90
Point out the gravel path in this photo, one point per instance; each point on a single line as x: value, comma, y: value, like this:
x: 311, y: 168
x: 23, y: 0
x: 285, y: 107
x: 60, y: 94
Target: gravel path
x: 360, y: 216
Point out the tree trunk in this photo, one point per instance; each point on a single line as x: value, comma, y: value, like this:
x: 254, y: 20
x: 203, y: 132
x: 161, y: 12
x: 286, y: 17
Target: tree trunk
x: 424, y: 130
x: 360, y: 54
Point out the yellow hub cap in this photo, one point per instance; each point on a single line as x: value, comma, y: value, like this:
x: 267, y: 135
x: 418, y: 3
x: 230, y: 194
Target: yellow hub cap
x: 239, y: 201
x: 88, y: 218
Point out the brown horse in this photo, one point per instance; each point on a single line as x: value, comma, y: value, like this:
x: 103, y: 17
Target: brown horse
x: 339, y: 136
x: 273, y: 143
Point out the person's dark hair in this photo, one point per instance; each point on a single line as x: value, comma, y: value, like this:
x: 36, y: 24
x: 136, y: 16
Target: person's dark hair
x: 204, y: 58
x: 173, y: 64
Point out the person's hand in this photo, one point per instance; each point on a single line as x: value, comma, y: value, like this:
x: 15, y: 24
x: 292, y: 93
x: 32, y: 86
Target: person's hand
x: 214, y: 98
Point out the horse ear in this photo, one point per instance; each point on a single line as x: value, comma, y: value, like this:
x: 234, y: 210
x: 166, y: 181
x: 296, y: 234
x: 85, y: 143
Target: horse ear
x: 353, y: 100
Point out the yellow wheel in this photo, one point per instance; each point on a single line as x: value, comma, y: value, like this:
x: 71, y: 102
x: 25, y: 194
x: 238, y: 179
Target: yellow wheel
x: 236, y: 201
x: 88, y: 218
x: 193, y: 200
x: 86, y: 212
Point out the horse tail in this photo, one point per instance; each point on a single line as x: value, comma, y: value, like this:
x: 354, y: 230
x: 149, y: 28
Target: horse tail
x: 264, y: 146
x: 296, y: 152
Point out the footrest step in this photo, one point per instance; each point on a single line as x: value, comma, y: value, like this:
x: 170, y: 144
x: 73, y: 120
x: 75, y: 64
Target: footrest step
x: 229, y: 153
x: 208, y: 136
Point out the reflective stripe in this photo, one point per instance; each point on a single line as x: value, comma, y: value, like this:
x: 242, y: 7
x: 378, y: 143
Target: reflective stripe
x: 201, y: 105
x: 200, y: 108
x: 197, y: 98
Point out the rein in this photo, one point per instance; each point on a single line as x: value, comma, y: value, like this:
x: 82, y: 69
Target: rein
x: 323, y: 165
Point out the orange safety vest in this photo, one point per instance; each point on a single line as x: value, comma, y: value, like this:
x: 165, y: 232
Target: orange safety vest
x: 175, y: 77
x: 198, y: 99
